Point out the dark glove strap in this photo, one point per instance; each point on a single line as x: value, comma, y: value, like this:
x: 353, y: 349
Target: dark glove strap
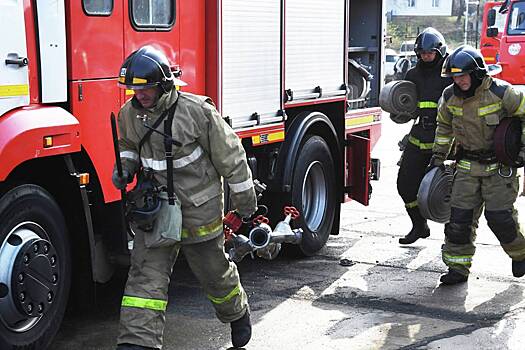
x: 168, y: 147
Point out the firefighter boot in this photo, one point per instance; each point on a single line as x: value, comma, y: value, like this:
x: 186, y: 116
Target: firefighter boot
x: 419, y: 227
x: 453, y: 277
x: 241, y: 330
x: 518, y: 268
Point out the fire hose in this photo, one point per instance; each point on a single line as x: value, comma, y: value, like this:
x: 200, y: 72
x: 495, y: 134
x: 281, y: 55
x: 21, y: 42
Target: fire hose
x: 433, y: 197
x: 399, y: 98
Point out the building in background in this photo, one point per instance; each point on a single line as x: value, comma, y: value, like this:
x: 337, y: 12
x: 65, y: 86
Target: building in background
x: 419, y: 7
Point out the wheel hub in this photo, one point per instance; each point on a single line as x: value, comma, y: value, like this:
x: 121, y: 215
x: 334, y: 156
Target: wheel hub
x: 29, y: 278
x: 35, y: 276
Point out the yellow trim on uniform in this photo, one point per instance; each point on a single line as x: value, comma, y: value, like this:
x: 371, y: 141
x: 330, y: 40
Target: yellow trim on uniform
x: 427, y: 104
x: 443, y: 140
x: 139, y: 80
x: 359, y: 120
x: 489, y: 109
x: 202, y: 230
x: 521, y: 108
x: 419, y: 144
x: 463, y: 164
x: 455, y: 110
x: 411, y: 204
x: 440, y: 119
x: 14, y: 90
x: 144, y: 303
x: 266, y: 138
x: 465, y: 260
x: 218, y: 300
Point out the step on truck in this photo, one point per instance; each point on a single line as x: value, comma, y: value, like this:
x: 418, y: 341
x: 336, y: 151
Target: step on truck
x: 298, y: 81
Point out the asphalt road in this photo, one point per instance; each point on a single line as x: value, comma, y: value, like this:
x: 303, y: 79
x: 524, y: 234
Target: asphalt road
x: 389, y: 298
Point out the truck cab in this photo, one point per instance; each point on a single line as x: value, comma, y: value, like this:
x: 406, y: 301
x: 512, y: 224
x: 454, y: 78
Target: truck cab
x: 503, y: 39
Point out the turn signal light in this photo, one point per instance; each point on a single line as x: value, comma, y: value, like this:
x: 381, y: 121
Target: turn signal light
x: 48, y: 141
x: 83, y: 178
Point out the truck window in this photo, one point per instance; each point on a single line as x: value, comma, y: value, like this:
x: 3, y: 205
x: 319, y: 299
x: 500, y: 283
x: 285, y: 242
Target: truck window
x: 500, y: 19
x: 516, y: 25
x: 97, y: 7
x: 151, y: 14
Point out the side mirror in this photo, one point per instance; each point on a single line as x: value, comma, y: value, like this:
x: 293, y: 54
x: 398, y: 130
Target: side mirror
x: 492, y: 32
x: 491, y: 17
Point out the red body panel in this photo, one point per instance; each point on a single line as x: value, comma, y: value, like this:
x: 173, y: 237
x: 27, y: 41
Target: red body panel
x: 192, y: 45
x: 23, y: 132
x: 94, y: 118
x: 94, y: 42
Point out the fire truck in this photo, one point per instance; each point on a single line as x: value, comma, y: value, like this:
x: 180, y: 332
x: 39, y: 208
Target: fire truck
x: 298, y: 80
x: 503, y: 38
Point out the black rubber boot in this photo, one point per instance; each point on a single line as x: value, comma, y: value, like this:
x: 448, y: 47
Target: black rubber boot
x: 132, y: 347
x: 453, y: 277
x: 419, y: 227
x: 241, y: 330
x: 518, y: 268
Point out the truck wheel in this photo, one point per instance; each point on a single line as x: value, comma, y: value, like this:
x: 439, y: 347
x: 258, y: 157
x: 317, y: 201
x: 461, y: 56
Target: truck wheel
x: 35, y: 271
x: 313, y: 193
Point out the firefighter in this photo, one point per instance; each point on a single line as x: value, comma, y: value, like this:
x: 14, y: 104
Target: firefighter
x: 431, y: 50
x: 199, y: 148
x: 469, y: 112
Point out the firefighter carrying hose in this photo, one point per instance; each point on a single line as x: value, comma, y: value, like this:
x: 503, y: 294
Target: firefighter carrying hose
x: 469, y: 112
x: 431, y: 51
x: 178, y: 143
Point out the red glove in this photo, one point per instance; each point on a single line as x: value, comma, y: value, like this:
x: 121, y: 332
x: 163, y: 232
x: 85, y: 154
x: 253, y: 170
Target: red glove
x: 232, y: 220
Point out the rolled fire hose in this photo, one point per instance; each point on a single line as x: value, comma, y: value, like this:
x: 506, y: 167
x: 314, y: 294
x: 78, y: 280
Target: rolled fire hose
x: 433, y: 197
x: 399, y: 97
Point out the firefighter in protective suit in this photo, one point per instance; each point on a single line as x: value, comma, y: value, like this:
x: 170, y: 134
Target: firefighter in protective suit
x: 431, y: 51
x: 469, y: 112
x: 199, y: 148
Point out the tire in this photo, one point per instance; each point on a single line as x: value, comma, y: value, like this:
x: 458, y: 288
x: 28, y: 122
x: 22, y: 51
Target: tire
x: 34, y: 246
x: 314, y: 194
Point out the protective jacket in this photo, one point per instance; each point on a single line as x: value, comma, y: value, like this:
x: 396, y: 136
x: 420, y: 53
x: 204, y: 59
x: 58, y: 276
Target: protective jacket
x: 210, y: 149
x: 472, y: 122
x: 430, y: 85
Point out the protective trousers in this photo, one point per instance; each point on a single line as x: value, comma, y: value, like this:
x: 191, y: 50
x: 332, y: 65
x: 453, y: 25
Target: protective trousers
x: 411, y: 171
x: 142, y: 316
x: 469, y: 194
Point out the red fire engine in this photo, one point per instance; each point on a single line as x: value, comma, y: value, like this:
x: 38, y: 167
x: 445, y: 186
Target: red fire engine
x: 503, y: 38
x: 297, y: 79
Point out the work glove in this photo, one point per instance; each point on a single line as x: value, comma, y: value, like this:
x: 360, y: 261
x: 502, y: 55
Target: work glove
x: 435, y: 161
x: 120, y: 182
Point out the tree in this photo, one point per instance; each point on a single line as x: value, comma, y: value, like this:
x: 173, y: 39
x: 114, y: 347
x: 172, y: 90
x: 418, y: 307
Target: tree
x: 458, y: 9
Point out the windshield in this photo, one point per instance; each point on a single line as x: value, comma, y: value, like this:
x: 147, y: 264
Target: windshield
x: 516, y: 24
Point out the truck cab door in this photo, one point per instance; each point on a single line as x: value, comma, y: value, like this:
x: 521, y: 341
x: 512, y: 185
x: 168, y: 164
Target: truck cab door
x: 14, y: 73
x: 153, y: 22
